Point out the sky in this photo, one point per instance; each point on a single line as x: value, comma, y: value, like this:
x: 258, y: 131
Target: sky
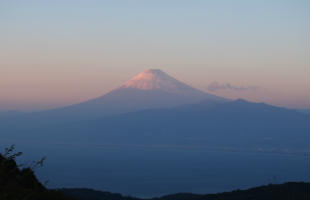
x: 58, y: 53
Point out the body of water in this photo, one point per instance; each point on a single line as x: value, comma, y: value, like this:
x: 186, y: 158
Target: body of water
x: 148, y: 173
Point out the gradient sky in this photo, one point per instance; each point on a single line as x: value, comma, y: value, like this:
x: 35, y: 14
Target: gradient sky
x: 58, y: 53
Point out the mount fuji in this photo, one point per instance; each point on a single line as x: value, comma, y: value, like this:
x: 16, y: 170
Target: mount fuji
x: 152, y: 88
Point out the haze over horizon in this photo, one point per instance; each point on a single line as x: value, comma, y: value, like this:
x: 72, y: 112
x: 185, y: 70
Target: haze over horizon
x: 55, y: 54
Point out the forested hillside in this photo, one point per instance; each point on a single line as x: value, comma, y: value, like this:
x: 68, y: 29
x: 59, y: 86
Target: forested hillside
x: 19, y: 181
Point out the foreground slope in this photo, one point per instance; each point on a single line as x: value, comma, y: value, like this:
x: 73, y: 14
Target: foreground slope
x: 17, y: 182
x: 152, y: 88
x: 237, y: 125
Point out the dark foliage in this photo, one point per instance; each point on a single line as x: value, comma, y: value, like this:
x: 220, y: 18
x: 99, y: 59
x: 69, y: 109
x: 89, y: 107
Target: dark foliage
x: 178, y: 196
x: 88, y: 194
x: 285, y: 191
x: 82, y: 193
x: 19, y: 181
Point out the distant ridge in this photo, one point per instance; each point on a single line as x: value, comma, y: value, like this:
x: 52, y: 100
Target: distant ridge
x: 307, y: 111
x: 210, y: 125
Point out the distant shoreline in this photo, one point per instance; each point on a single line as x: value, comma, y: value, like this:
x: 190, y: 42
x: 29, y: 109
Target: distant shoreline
x: 173, y: 147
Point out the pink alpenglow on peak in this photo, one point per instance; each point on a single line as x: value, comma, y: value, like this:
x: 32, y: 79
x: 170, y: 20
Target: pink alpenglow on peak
x: 156, y: 79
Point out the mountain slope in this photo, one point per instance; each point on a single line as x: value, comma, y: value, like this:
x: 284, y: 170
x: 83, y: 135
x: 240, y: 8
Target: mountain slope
x: 237, y: 125
x: 307, y: 111
x: 150, y: 89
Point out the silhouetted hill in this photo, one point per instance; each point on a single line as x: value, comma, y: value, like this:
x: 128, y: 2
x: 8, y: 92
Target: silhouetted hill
x: 85, y: 193
x: 285, y: 191
x: 20, y: 182
x: 78, y: 193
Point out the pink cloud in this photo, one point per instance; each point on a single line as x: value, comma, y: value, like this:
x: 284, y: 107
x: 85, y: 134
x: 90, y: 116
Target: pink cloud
x: 216, y: 86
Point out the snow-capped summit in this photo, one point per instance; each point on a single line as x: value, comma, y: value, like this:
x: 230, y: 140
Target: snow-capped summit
x: 152, y: 79
x: 156, y: 79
